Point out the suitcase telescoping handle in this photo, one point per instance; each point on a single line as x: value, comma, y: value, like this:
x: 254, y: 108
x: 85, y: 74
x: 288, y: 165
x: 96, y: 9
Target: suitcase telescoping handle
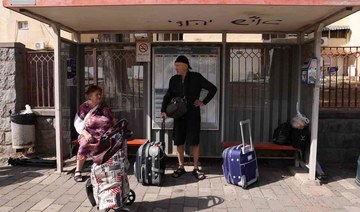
x: 242, y: 123
x: 162, y: 133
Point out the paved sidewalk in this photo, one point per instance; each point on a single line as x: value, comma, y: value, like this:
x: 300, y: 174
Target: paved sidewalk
x: 36, y: 189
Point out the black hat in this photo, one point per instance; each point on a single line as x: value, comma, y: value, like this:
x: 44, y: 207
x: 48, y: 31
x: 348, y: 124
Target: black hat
x: 183, y: 59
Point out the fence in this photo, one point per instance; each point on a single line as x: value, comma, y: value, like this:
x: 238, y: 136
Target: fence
x: 340, y: 77
x: 40, y: 79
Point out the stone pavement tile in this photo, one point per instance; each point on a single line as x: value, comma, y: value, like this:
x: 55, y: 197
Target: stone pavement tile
x: 150, y: 197
x: 5, y: 209
x: 235, y: 209
x: 248, y: 205
x: 165, y: 191
x: 341, y: 201
x: 27, y: 186
x: 43, y: 204
x: 344, y: 183
x: 353, y: 208
x: 12, y: 194
x: 177, y: 200
x: 243, y: 194
x: 86, y: 203
x: 219, y: 210
x: 35, y: 189
x: 8, y: 188
x: 83, y: 209
x: 191, y: 201
x: 75, y: 189
x: 268, y: 194
x: 191, y: 193
x: 256, y: 193
x: 275, y: 205
x: 69, y: 183
x: 190, y: 209
x: 278, y: 190
x: 24, y: 206
x: 329, y: 202
x: 17, y: 200
x: 204, y: 190
x: 50, y: 188
x: 63, y: 199
x: 70, y: 207
x: 38, y: 179
x: 3, y: 201
x: 262, y: 210
x: 62, y: 180
x: 153, y: 189
x: 174, y: 208
x: 232, y: 203
x: 146, y: 206
x: 229, y: 190
x: 260, y: 203
x: 50, y: 179
x: 39, y: 196
x: 159, y: 210
x: 80, y: 197
x: 57, y: 193
x: 285, y: 200
x: 351, y: 197
x: 162, y: 201
x: 54, y: 208
x: 291, y: 209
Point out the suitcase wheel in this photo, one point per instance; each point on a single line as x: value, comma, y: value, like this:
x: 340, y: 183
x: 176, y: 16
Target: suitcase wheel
x: 242, y: 183
x: 131, y: 197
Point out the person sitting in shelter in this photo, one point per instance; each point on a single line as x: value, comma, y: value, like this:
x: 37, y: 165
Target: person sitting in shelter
x: 93, y: 119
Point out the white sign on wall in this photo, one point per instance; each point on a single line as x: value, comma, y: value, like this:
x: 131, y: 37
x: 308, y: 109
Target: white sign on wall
x: 143, y: 52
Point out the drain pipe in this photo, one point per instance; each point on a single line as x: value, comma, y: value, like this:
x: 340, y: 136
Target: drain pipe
x: 315, y: 105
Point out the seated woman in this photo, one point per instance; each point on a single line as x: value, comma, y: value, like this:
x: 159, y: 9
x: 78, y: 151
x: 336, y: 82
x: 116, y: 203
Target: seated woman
x: 93, y: 119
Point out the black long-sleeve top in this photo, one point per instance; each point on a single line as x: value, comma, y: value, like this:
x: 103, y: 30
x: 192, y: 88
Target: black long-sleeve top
x: 191, y: 87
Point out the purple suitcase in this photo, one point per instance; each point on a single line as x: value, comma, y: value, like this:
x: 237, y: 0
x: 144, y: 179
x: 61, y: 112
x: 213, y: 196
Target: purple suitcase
x: 239, y: 162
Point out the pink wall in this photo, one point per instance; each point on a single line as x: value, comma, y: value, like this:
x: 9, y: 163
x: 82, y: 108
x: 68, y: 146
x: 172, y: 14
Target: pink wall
x: 42, y: 3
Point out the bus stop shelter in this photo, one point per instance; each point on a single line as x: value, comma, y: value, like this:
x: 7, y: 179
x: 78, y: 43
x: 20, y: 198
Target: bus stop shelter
x: 301, y: 18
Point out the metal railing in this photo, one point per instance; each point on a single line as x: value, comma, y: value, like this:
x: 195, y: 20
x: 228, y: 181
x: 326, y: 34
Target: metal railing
x: 40, y: 79
x: 340, y: 77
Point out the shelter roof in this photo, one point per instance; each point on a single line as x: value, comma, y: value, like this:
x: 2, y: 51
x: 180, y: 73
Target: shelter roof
x: 256, y: 16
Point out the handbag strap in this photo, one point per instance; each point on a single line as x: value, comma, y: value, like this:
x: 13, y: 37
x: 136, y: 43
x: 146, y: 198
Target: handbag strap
x: 120, y: 126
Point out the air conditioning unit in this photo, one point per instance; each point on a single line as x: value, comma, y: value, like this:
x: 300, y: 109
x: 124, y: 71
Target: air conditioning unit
x: 324, y: 41
x: 39, y: 45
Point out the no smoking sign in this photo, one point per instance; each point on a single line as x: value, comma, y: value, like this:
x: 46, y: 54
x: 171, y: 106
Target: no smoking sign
x: 143, y: 52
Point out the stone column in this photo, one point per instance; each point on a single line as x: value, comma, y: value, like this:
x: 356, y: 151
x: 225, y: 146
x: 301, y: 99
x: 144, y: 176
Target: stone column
x: 12, y: 88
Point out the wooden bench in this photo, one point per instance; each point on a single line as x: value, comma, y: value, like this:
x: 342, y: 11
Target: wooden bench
x: 268, y: 146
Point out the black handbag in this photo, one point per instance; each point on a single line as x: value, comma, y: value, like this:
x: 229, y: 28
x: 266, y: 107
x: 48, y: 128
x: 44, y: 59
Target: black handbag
x: 177, y: 107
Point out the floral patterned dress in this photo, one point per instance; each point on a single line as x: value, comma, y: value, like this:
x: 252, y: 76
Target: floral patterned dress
x: 109, y: 180
x: 97, y: 124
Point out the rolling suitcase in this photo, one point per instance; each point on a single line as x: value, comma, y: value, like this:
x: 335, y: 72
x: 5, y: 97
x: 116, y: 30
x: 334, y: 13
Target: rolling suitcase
x: 239, y: 162
x: 149, y: 167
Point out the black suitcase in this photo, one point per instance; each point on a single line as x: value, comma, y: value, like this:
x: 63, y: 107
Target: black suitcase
x: 149, y: 167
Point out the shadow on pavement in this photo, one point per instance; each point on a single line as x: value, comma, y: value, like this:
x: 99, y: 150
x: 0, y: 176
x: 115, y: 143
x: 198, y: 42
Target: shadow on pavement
x: 17, y: 174
x: 177, y: 204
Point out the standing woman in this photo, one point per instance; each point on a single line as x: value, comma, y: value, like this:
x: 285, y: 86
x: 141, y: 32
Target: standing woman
x: 93, y: 119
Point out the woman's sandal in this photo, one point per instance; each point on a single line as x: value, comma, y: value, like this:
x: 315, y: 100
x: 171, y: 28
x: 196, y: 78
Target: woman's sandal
x: 178, y: 172
x: 78, y: 177
x: 198, y: 174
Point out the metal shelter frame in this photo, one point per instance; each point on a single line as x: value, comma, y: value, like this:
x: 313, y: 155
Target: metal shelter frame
x: 312, y: 27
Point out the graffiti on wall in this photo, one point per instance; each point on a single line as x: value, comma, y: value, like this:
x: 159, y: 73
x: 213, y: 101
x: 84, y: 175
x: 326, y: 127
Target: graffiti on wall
x: 191, y: 22
x: 256, y: 20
